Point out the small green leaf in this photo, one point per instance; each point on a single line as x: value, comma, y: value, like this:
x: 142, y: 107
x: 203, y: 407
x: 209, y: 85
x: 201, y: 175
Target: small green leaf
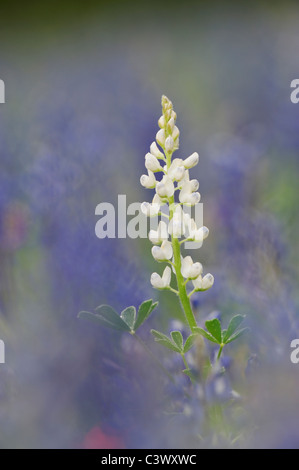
x: 109, y: 314
x: 168, y: 344
x: 204, y: 333
x: 189, y: 343
x: 129, y: 316
x: 236, y: 335
x: 159, y: 335
x: 214, y: 327
x: 144, y: 311
x: 177, y: 339
x: 232, y: 327
x: 99, y: 319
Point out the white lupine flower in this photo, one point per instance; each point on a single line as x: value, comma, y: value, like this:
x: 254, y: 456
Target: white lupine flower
x: 155, y: 151
x: 164, y: 252
x: 165, y: 188
x: 176, y: 171
x: 160, y: 137
x: 188, y: 198
x: 191, y: 161
x: 150, y: 210
x: 151, y: 163
x: 169, y: 144
x: 200, y: 234
x: 159, y: 235
x: 203, y: 283
x: 163, y: 282
x: 148, y: 181
x: 189, y: 269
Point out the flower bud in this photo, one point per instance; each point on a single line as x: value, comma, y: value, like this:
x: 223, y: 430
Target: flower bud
x: 169, y: 144
x: 160, y: 137
x: 191, y: 161
x: 155, y: 151
x: 161, y: 122
x: 151, y: 163
x: 175, y: 133
x: 170, y: 125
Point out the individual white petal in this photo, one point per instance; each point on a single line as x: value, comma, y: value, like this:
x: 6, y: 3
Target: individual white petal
x: 156, y: 281
x: 166, y: 276
x: 170, y: 124
x: 148, y: 181
x: 201, y: 234
x: 194, y: 185
x: 160, y: 137
x: 191, y: 161
x: 151, y: 163
x: 197, y: 283
x: 169, y: 144
x: 175, y: 133
x: 195, y: 270
x: 186, y: 265
x: 161, y: 122
x: 203, y: 283
x: 155, y: 151
x: 179, y: 173
x: 166, y: 247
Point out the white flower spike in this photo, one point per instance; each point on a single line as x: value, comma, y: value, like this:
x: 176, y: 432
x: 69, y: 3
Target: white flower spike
x: 175, y: 178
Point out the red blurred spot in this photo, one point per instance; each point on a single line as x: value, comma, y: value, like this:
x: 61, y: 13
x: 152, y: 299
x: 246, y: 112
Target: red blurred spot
x: 97, y: 439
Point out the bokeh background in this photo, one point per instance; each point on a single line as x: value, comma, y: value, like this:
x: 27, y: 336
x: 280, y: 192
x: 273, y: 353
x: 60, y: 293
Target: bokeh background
x: 83, y: 88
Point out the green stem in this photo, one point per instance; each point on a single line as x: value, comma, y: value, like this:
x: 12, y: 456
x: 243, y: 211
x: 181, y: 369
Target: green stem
x: 153, y: 357
x: 220, y: 351
x: 185, y: 301
x: 185, y: 362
